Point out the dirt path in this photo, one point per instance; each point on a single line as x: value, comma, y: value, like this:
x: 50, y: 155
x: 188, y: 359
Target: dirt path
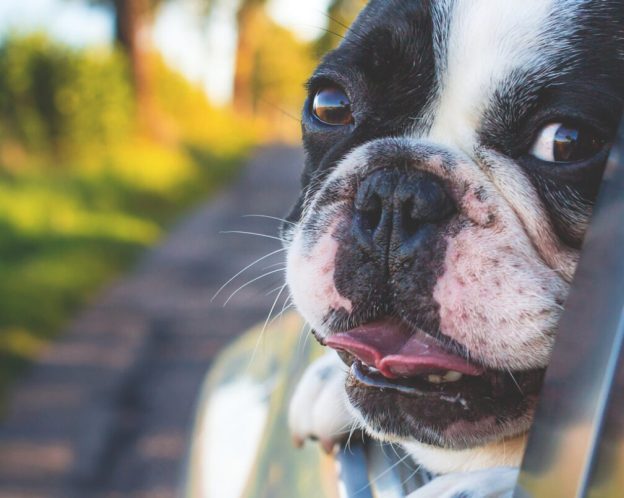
x: 106, y: 411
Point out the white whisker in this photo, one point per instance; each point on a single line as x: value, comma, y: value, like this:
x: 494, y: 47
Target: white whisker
x: 514, y: 380
x: 274, y: 265
x: 266, y: 322
x: 285, y: 307
x: 354, y: 426
x: 394, y: 450
x: 268, y: 318
x: 393, y: 466
x: 241, y: 232
x: 412, y: 475
x: 249, y: 283
x: 245, y: 269
x: 268, y: 218
x: 273, y: 291
x: 308, y: 333
x: 302, y: 334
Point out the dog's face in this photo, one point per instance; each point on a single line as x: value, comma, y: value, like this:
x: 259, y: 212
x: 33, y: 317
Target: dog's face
x: 454, y: 150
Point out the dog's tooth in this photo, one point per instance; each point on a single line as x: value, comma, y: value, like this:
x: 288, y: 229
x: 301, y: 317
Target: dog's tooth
x: 434, y: 379
x: 452, y: 376
x: 370, y: 368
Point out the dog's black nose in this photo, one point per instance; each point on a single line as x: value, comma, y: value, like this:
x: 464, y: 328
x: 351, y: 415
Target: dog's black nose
x: 395, y: 212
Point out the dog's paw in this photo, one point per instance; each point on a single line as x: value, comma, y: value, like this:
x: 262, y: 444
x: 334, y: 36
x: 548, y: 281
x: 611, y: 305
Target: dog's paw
x: 491, y: 483
x: 318, y: 409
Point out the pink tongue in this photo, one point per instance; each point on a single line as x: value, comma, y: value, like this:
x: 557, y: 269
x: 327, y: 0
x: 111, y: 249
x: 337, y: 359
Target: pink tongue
x: 397, y: 352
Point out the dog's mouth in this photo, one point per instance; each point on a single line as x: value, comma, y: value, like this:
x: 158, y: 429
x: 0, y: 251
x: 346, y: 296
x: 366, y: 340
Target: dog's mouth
x: 390, y: 356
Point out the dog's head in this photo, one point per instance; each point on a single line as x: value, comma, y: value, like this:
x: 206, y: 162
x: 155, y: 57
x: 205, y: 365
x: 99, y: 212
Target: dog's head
x: 454, y: 150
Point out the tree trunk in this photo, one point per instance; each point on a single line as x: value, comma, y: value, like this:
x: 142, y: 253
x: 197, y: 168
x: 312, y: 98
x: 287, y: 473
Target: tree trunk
x: 131, y: 20
x: 250, y: 20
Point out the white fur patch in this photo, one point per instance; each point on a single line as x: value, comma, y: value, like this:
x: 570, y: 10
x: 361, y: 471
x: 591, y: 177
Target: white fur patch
x: 521, y: 196
x: 497, y: 298
x: 486, y: 40
x: 506, y: 453
x: 310, y: 278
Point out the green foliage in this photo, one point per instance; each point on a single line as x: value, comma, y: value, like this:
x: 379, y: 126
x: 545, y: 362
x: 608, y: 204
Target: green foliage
x: 282, y: 63
x: 65, y: 233
x: 186, y: 115
x: 55, y: 100
x: 81, y: 193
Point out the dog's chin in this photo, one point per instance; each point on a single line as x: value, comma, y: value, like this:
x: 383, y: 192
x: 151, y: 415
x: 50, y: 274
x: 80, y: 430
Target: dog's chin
x: 428, y: 393
x: 465, y: 414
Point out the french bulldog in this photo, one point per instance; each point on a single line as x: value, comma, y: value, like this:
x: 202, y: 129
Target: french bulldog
x: 454, y: 150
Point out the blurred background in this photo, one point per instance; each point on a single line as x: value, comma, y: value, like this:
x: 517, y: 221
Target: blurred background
x: 132, y: 132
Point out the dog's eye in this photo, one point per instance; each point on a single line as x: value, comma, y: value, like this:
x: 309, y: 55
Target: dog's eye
x: 331, y: 106
x: 561, y: 143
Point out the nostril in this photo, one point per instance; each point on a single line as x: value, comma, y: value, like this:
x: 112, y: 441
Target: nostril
x: 410, y: 221
x: 371, y: 212
x: 422, y: 202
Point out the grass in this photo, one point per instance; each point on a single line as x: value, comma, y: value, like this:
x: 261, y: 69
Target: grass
x: 67, y: 231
